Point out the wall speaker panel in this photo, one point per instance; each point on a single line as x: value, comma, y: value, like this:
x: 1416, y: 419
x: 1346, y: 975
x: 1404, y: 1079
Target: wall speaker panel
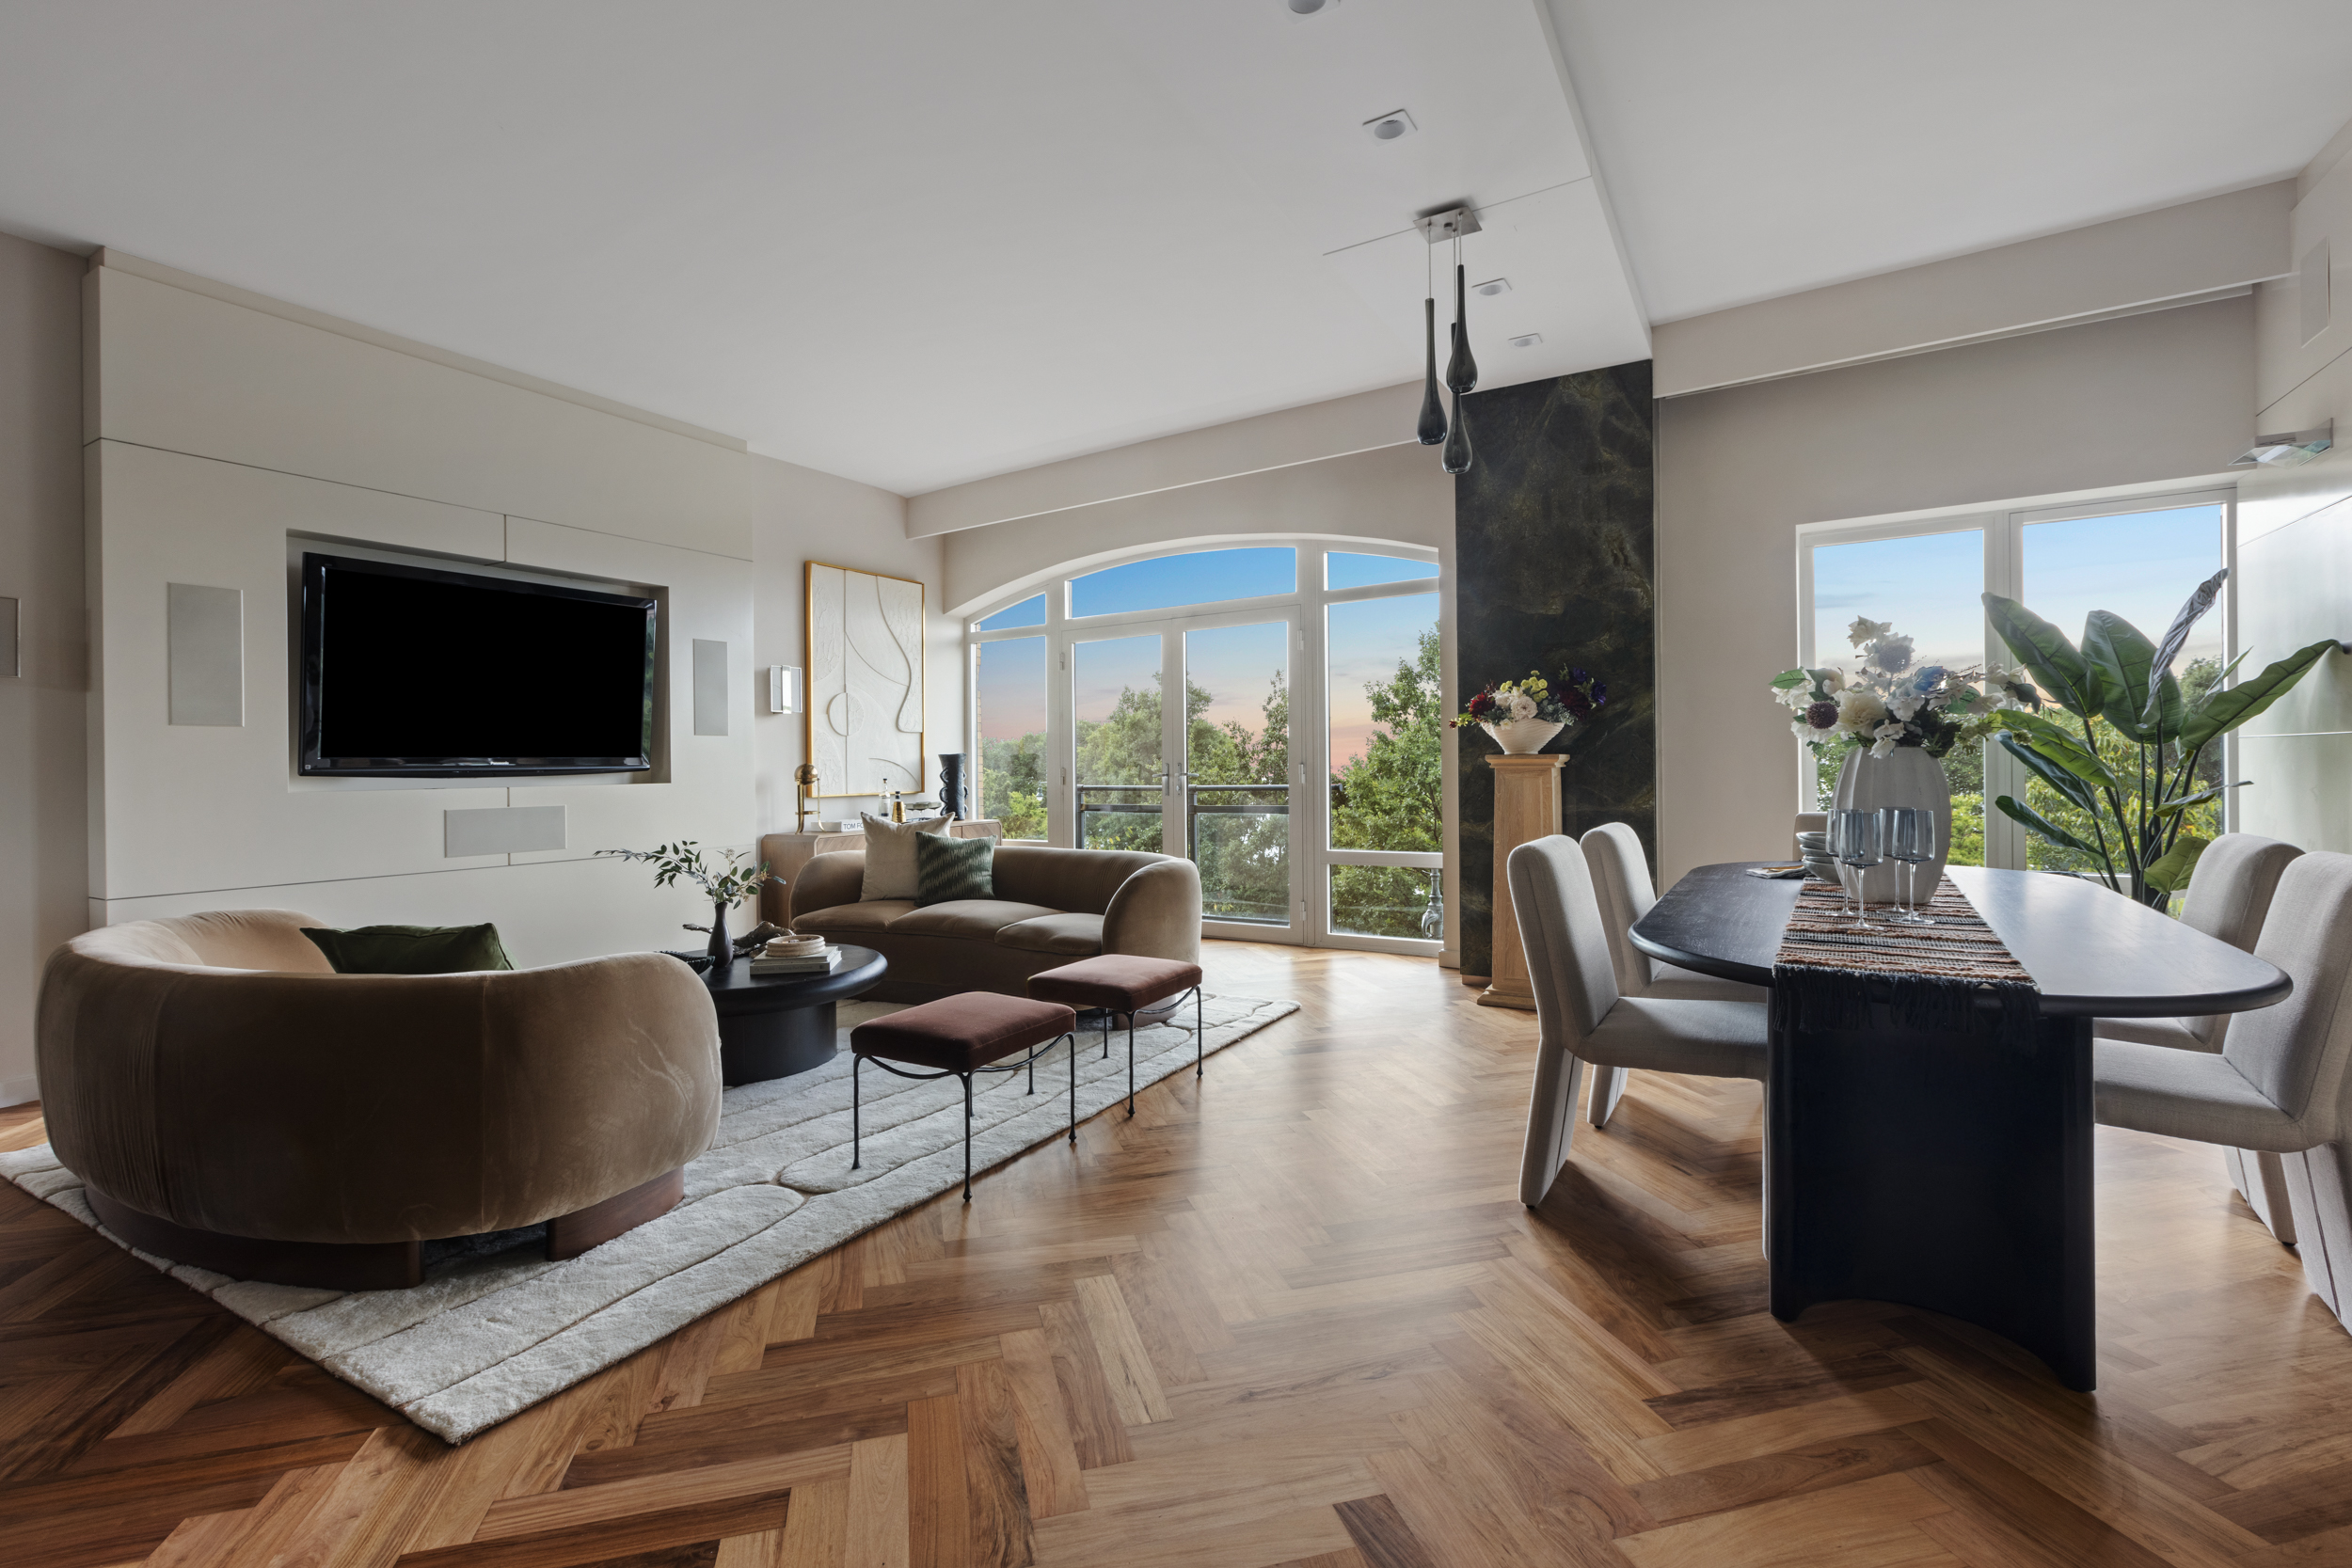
x: 205, y: 635
x: 711, y: 687
x: 501, y: 831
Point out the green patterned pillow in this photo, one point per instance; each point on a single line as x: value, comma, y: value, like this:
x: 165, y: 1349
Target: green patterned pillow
x: 947, y: 868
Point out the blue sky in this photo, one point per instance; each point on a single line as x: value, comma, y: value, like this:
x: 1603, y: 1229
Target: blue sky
x: 2140, y: 566
x: 1204, y: 576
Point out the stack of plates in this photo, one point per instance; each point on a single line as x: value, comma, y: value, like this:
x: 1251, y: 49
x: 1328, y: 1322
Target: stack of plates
x: 1814, y: 846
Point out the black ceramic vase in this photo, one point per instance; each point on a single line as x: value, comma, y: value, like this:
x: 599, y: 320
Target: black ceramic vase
x: 951, y: 784
x: 721, y: 947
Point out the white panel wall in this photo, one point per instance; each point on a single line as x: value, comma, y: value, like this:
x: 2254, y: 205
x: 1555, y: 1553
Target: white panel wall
x: 42, y: 835
x: 224, y: 438
x: 187, y: 373
x: 2295, y: 536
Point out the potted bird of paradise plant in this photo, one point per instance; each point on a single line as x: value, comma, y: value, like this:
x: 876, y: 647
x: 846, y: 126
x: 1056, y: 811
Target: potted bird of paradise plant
x: 2135, y: 817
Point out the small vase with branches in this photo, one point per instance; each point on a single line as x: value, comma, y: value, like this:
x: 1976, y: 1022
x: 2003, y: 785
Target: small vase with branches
x: 725, y: 887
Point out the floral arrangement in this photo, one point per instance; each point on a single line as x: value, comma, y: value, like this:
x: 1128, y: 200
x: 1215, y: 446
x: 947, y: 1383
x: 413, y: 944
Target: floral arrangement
x: 1503, y: 701
x: 1886, y: 703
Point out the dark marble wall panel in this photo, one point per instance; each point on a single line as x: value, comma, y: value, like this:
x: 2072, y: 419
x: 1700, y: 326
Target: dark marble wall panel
x: 1554, y: 566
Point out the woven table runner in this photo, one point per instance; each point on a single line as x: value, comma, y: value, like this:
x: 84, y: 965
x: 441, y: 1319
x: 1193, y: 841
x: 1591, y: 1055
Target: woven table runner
x: 1934, y: 976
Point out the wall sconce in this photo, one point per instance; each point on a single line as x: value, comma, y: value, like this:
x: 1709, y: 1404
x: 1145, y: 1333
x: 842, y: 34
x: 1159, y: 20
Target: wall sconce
x: 784, y: 689
x: 2285, y: 451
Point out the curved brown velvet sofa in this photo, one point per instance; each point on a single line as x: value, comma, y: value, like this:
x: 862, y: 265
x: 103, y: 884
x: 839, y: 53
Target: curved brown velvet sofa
x: 231, y: 1102
x: 1051, y: 907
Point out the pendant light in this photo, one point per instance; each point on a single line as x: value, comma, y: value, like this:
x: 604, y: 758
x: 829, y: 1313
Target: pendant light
x: 1432, y: 429
x: 1461, y: 375
x: 1461, y: 371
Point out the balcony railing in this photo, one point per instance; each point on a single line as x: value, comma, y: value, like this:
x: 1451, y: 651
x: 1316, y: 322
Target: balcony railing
x: 1128, y: 817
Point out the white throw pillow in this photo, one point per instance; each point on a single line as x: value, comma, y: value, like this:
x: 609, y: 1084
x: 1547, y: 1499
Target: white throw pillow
x: 890, y: 855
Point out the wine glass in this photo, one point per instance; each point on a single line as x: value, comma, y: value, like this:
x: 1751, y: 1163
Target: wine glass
x: 1861, y: 844
x: 1911, y: 839
x: 1833, y: 840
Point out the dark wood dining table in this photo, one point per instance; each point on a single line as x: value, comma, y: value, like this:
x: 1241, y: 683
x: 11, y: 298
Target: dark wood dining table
x: 1949, y: 1169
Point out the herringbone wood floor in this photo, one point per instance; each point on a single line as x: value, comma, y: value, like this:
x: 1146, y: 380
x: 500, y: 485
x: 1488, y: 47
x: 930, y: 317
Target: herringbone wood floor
x: 1292, y: 1315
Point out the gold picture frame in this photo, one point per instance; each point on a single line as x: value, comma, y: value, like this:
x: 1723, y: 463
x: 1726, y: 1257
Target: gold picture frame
x: 835, y: 695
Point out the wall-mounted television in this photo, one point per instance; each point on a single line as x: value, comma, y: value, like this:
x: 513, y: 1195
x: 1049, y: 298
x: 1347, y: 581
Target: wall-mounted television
x: 418, y: 671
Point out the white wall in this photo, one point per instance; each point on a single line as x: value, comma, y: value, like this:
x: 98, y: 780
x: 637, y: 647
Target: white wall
x: 2295, y: 530
x: 224, y: 432
x: 2151, y: 397
x: 799, y: 515
x: 42, y: 831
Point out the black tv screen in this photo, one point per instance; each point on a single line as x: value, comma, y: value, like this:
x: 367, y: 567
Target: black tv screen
x: 414, y: 670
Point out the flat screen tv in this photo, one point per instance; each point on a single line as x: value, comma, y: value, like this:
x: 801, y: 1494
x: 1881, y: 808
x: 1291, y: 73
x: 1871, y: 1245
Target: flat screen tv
x: 422, y: 672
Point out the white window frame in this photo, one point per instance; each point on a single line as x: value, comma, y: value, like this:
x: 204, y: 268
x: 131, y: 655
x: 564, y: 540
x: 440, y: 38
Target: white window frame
x: 2004, y: 533
x: 1311, y: 856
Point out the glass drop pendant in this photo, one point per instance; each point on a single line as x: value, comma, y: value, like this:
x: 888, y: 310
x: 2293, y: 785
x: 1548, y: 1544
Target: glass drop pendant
x: 1457, y: 459
x: 1461, y: 371
x: 1432, y: 406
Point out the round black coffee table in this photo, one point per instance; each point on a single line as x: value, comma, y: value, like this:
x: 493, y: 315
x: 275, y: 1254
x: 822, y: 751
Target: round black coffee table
x: 775, y: 1026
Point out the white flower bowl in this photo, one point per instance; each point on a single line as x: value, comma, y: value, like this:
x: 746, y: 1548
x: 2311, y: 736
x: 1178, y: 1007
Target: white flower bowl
x: 1521, y: 737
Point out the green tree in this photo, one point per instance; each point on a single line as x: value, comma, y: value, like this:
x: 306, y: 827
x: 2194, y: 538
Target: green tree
x: 1389, y: 797
x: 1013, y: 784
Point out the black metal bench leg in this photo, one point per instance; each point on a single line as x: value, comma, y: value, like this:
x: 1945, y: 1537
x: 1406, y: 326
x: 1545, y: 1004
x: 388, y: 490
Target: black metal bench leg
x: 1107, y: 1034
x: 1131, y: 1065
x: 1073, y: 1088
x: 854, y: 1066
x: 1200, y: 1037
x: 968, y: 1136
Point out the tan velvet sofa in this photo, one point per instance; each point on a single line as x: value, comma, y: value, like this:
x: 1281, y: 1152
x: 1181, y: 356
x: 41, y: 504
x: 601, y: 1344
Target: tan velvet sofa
x: 232, y: 1102
x: 1051, y: 907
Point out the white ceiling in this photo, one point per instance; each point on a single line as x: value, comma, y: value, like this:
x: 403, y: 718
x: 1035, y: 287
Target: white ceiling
x: 1757, y: 150
x: 913, y: 242
x: 922, y: 242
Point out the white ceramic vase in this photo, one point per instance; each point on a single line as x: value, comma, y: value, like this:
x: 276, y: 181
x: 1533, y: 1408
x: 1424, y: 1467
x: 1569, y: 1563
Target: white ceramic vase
x: 1522, y: 738
x: 1905, y: 777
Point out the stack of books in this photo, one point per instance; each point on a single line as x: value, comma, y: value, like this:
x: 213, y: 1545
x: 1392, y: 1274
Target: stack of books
x: 791, y: 954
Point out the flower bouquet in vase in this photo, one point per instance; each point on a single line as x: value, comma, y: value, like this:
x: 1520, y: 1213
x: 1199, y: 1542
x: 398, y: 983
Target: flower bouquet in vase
x: 1888, y: 726
x: 1522, y: 715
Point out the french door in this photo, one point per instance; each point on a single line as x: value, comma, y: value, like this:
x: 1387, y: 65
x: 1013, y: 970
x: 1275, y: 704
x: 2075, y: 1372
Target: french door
x: 1182, y: 741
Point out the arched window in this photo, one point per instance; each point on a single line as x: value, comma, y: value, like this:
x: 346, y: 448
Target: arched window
x: 1301, y: 770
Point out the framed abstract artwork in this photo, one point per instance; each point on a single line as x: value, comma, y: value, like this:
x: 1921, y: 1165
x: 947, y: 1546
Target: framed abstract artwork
x: 864, y: 699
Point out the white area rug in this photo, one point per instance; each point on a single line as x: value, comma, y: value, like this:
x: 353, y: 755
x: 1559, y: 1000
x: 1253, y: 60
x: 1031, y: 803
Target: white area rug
x: 487, y: 1336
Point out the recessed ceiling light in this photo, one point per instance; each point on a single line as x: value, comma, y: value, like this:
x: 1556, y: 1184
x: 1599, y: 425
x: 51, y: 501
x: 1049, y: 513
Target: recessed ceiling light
x: 1492, y: 287
x: 1309, y: 7
x: 1527, y: 340
x: 1388, y: 127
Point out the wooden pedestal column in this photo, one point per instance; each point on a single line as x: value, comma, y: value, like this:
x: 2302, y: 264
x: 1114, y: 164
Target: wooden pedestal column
x: 1527, y: 807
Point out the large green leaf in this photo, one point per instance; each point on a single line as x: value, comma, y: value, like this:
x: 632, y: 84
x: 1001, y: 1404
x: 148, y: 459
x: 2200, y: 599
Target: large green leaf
x: 2049, y: 772
x: 2176, y: 635
x: 2174, y: 807
x: 2057, y: 667
x: 2224, y: 710
x: 2045, y: 736
x: 2171, y: 872
x: 2123, y: 656
x: 2033, y: 819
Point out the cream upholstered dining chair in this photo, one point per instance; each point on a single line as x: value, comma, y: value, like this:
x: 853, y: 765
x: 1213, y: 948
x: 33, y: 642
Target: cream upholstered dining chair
x: 1622, y: 885
x: 2229, y: 893
x: 2283, y: 1079
x: 1581, y: 1016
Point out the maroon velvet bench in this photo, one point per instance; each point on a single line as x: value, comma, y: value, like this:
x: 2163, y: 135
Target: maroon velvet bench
x: 1123, y: 983
x: 961, y: 1036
